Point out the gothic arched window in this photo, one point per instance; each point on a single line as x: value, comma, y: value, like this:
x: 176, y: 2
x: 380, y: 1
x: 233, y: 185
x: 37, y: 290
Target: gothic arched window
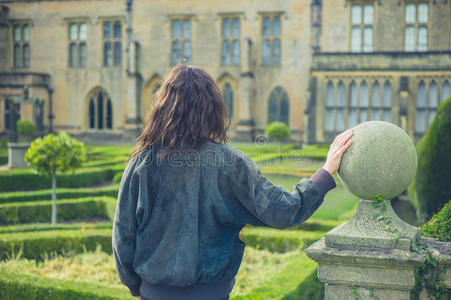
x: 278, y: 106
x: 341, y: 104
x: 100, y: 110
x: 329, y: 118
x: 446, y: 90
x: 433, y: 101
x: 8, y: 113
x: 227, y: 95
x: 352, y: 117
x: 375, y: 101
x: 386, y: 105
x: 420, y: 118
x: 363, y: 102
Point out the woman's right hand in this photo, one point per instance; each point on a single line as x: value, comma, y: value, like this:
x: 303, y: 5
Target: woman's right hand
x: 337, y: 148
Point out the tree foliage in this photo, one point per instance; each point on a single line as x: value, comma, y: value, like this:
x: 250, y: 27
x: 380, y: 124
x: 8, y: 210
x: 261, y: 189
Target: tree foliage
x: 55, y: 154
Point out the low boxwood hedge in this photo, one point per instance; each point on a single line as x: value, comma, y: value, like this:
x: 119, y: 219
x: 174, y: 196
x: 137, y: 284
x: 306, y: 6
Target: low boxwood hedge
x: 39, y: 244
x: 18, y: 286
x: 279, y: 240
x: 61, y: 193
x: 118, y: 161
x: 22, y: 180
x: 3, y: 160
x: 317, y: 225
x: 72, y: 209
x: 59, y: 226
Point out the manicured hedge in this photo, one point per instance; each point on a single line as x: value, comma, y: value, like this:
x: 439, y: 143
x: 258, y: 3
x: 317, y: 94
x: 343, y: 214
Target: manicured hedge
x: 59, y: 226
x: 317, y: 225
x: 3, y: 160
x: 21, y: 180
x: 72, y: 209
x: 118, y: 161
x: 36, y: 245
x: 278, y: 240
x: 61, y: 193
x: 430, y: 190
x: 15, y: 286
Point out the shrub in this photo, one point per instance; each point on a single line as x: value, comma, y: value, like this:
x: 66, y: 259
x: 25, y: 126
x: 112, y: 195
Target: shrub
x: 439, y: 226
x: 40, y: 211
x: 278, y: 131
x: 19, y: 286
x: 430, y: 189
x: 36, y: 245
x: 26, y: 128
x: 62, y: 193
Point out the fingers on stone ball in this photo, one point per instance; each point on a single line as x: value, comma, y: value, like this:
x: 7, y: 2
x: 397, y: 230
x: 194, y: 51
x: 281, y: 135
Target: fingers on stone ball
x: 346, y: 146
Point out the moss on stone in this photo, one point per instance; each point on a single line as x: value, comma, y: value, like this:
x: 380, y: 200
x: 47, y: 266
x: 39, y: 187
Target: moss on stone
x: 439, y: 226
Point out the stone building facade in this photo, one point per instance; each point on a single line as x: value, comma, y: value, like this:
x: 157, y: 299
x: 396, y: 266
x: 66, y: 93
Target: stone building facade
x: 378, y: 60
x: 99, y: 62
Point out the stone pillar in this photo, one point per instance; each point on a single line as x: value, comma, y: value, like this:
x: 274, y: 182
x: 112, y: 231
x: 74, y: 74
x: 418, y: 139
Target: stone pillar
x: 4, y: 39
x: 309, y: 114
x: 360, y: 257
x: 316, y: 24
x: 132, y: 112
x: 370, y: 256
x: 245, y: 127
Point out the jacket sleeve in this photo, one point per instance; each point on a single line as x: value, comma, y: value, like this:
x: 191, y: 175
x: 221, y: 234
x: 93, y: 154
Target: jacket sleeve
x: 271, y: 205
x: 124, y: 229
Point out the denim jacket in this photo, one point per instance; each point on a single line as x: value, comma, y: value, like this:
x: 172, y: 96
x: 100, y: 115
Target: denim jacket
x: 178, y: 218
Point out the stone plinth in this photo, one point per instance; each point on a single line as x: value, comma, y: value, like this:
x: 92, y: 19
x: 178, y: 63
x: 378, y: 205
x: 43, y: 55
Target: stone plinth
x: 385, y: 273
x: 16, y: 154
x: 370, y: 257
x: 363, y: 230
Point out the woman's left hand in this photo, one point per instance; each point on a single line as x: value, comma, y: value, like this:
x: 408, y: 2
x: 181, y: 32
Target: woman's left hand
x: 138, y: 297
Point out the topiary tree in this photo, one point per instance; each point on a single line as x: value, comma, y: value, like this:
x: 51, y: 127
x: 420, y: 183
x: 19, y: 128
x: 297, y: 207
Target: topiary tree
x: 278, y: 131
x: 55, y: 154
x: 26, y: 129
x: 430, y: 190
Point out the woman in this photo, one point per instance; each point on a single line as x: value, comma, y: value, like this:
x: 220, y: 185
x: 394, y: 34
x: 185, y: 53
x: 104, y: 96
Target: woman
x: 185, y: 195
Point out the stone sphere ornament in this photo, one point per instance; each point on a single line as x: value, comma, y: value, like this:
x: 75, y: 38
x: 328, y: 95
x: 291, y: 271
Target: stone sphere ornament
x: 382, y: 159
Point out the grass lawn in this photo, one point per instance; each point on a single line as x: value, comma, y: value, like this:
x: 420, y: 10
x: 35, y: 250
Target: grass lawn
x: 262, y: 275
x: 274, y: 264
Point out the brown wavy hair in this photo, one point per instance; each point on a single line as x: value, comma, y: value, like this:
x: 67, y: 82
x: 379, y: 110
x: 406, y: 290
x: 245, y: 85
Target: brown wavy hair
x: 188, y: 110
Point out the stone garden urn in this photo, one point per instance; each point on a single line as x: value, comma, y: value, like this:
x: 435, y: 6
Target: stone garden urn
x: 370, y: 257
